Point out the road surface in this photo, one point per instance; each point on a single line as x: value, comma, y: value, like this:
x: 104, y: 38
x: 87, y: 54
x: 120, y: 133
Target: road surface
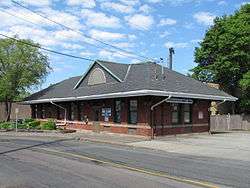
x: 29, y: 163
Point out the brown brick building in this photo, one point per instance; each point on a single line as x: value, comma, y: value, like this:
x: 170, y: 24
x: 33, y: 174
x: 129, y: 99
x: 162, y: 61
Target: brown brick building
x: 143, y: 99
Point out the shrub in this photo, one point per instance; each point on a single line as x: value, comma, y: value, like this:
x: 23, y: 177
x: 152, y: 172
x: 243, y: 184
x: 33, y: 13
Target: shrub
x: 49, y: 125
x: 6, y: 125
x: 33, y: 124
x: 21, y: 126
x: 28, y: 120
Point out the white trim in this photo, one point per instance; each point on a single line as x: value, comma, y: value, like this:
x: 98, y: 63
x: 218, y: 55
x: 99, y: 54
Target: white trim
x: 90, y: 67
x: 129, y: 67
x: 112, y: 74
x: 91, y: 77
x: 137, y: 93
x: 83, y: 76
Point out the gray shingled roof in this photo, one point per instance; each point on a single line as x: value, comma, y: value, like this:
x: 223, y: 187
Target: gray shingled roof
x: 137, y: 79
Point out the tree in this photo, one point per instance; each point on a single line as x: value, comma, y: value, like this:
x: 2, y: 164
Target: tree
x: 22, y: 66
x: 224, y: 54
x: 245, y: 85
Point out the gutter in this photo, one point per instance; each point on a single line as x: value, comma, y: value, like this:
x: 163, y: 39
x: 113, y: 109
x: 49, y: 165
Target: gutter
x: 152, y: 114
x: 65, y: 111
x: 137, y: 93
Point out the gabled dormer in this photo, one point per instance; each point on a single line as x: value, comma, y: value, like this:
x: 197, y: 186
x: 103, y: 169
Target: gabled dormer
x: 102, y: 72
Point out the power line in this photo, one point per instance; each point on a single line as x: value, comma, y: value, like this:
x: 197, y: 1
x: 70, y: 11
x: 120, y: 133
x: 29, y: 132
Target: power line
x: 84, y: 41
x: 19, y: 17
x: 46, y: 49
x: 83, y: 34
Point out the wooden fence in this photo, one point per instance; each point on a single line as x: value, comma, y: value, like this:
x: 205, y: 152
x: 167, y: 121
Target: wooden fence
x: 220, y: 123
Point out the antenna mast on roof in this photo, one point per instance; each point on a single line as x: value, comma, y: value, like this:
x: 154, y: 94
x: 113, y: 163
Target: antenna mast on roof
x: 162, y: 68
x: 170, y: 62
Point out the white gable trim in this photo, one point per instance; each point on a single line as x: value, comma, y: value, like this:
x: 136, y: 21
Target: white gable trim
x: 90, y: 67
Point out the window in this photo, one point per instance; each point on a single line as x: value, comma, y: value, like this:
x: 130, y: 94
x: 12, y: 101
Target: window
x: 181, y: 113
x: 175, y: 113
x: 34, y: 115
x: 97, y: 76
x: 117, y: 117
x: 187, y: 113
x: 72, y: 117
x: 200, y: 115
x: 133, y: 111
x: 43, y: 112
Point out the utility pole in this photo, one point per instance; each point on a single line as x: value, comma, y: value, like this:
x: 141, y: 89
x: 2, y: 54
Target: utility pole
x: 170, y: 62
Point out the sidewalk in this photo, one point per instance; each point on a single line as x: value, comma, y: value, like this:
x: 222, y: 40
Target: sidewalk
x: 233, y: 145
x: 82, y: 135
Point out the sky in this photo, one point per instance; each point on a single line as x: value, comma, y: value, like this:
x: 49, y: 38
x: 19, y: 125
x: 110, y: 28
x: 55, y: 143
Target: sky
x: 147, y: 28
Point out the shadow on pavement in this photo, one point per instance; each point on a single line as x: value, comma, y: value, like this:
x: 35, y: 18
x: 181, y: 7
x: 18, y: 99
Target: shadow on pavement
x: 36, y: 145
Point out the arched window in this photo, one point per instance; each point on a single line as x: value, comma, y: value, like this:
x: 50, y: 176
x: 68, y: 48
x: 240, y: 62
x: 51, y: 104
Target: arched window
x: 97, y: 76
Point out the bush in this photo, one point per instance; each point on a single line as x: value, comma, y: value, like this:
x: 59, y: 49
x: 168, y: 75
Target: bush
x: 33, y: 124
x: 6, y: 125
x: 28, y: 120
x: 21, y: 126
x: 49, y: 125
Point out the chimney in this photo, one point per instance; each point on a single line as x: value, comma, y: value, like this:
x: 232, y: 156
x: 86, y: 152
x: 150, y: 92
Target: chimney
x: 170, y: 62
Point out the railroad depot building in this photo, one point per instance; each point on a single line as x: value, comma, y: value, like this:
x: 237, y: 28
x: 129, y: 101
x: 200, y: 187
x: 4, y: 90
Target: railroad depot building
x: 144, y: 99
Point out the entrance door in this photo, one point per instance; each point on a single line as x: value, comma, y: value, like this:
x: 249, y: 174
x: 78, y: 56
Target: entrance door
x: 96, y: 111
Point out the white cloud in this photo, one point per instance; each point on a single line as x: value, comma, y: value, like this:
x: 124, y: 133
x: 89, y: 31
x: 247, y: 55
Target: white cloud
x: 7, y: 20
x: 145, y: 8
x: 222, y: 3
x: 124, y: 44
x: 71, y: 46
x: 87, y: 53
x: 83, y: 3
x: 130, y: 2
x: 244, y: 3
x: 139, y: 21
x: 63, y: 18
x: 132, y: 37
x: 176, y: 45
x: 66, y: 35
x: 167, y: 21
x: 238, y: 5
x: 104, y: 54
x: 37, y: 3
x: 118, y: 7
x: 41, y: 36
x: 99, y: 19
x: 188, y: 25
x: 107, y: 36
x: 195, y: 41
x: 154, y: 1
x: 164, y: 34
x: 205, y: 18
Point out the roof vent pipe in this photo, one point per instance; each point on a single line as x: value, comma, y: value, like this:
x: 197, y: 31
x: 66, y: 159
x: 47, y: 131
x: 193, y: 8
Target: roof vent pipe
x: 170, y: 62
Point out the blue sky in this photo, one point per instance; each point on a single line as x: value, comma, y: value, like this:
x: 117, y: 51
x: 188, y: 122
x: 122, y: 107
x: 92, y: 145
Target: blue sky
x: 145, y: 27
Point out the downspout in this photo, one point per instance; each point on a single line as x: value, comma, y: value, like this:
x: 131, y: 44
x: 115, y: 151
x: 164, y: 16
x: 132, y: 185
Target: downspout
x: 152, y: 114
x: 65, y: 111
x: 221, y: 102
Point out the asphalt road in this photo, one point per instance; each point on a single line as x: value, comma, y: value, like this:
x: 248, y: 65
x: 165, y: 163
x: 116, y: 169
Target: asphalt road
x: 29, y: 167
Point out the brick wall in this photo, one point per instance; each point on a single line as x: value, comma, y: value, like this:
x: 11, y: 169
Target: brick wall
x: 162, y: 116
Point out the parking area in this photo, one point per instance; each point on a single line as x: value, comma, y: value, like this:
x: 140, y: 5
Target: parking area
x: 231, y: 145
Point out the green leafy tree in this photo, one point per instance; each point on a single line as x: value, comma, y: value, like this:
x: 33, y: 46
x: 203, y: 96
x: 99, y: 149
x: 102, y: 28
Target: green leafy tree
x: 224, y: 54
x: 245, y: 85
x: 22, y: 67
